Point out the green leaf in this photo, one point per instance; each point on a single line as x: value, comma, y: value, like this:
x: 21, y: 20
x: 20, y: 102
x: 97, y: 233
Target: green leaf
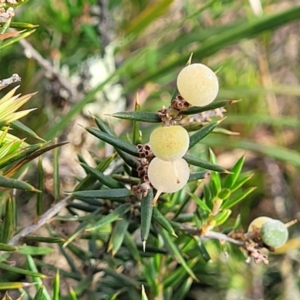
x: 198, y: 175
x: 128, y: 159
x: 73, y: 274
x: 235, y: 173
x: 106, y: 180
x: 232, y: 202
x: 82, y: 254
x: 7, y: 248
x: 146, y: 17
x: 203, y: 164
x: 144, y: 295
x: 20, y: 25
x: 222, y: 217
x: 20, y: 271
x: 31, y: 265
x: 203, y: 132
x: 141, y: 116
x: 237, y: 223
x: 103, y: 194
x: 174, y: 251
x: 22, y: 127
x: 31, y: 250
x: 16, y: 156
x: 8, y: 224
x: 114, y: 141
x: 183, y: 290
x: 132, y: 247
x: 103, y: 126
x: 124, y: 280
x: 90, y: 179
x: 56, y: 177
x: 117, y: 235
x: 14, y: 285
x: 136, y: 132
x: 224, y: 194
x: 204, y: 253
x: 284, y: 154
x: 40, y: 196
x: 240, y: 182
x: 82, y: 226
x: 227, y: 36
x: 12, y: 183
x: 146, y: 216
x: 39, y: 294
x: 56, y: 286
x: 32, y: 156
x: 215, y: 183
x: 113, y: 216
x: 44, y: 239
x: 72, y: 294
x: 163, y: 221
x: 267, y: 119
x: 178, y: 275
x: 200, y: 203
x: 21, y: 36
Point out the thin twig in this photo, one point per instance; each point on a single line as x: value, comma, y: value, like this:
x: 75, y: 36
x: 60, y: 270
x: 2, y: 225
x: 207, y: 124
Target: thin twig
x: 44, y: 218
x: 222, y: 237
x: 30, y: 51
x: 7, y: 81
x: 209, y: 235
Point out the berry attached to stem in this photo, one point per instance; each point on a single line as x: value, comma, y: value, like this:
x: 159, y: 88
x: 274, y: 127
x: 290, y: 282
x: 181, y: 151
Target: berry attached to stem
x: 168, y: 177
x: 198, y: 84
x: 169, y: 142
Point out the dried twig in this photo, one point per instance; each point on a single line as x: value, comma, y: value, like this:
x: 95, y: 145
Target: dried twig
x: 7, y: 81
x: 210, y: 235
x: 45, y: 218
x: 31, y: 52
x: 222, y: 237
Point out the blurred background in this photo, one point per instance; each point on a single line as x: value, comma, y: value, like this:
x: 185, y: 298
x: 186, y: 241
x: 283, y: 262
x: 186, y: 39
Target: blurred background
x: 97, y: 57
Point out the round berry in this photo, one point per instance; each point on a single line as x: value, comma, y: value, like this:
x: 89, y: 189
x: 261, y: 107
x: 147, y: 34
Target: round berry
x: 169, y: 142
x: 257, y: 223
x: 274, y: 233
x: 168, y: 177
x: 198, y: 84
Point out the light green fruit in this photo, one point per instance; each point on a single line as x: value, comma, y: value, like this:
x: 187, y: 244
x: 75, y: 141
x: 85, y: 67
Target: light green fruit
x: 198, y: 84
x: 168, y: 177
x: 274, y: 233
x: 257, y: 223
x: 169, y: 142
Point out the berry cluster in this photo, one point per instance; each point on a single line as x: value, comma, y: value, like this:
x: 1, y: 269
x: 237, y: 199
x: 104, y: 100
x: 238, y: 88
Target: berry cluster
x: 168, y: 172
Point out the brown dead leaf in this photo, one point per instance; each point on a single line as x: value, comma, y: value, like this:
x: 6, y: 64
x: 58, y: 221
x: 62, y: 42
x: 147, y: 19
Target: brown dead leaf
x: 8, y: 35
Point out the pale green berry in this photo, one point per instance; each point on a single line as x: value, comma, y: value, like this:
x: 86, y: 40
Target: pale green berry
x: 257, y: 223
x: 198, y: 84
x: 274, y: 233
x: 168, y: 177
x: 169, y: 142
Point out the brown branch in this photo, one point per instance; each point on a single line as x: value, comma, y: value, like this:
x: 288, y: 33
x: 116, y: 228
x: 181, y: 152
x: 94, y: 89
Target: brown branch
x: 31, y: 52
x: 209, y: 235
x: 44, y: 218
x: 222, y: 237
x: 7, y: 81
